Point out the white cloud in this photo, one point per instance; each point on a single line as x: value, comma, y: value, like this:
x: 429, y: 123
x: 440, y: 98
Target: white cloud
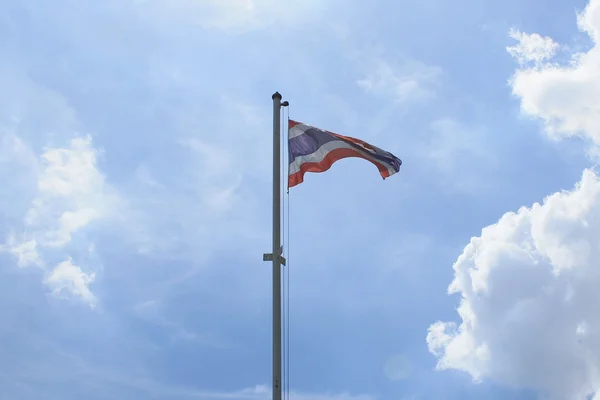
x: 564, y: 97
x: 529, y: 298
x: 411, y: 81
x: 68, y: 279
x: 69, y: 223
x: 70, y: 171
x: 238, y: 15
x: 71, y: 195
x: 532, y: 48
x: 25, y: 251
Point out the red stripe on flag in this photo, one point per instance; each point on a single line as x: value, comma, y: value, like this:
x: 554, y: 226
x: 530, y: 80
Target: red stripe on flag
x: 333, y: 156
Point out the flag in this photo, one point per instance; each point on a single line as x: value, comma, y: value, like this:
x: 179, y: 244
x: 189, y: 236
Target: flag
x: 312, y: 149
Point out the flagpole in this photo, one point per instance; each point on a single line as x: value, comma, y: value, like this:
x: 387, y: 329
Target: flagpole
x: 276, y: 246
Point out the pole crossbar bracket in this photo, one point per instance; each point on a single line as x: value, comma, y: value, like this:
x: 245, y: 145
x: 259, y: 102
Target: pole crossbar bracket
x: 269, y: 257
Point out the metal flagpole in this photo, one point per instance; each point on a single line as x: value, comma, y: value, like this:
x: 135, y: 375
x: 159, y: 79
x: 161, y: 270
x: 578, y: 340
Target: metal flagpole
x: 276, y: 256
x: 276, y: 247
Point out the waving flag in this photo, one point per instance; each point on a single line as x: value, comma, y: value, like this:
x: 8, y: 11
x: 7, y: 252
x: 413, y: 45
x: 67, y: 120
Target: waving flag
x: 315, y: 150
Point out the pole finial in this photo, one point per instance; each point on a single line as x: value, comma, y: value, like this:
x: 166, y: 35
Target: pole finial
x: 275, y: 95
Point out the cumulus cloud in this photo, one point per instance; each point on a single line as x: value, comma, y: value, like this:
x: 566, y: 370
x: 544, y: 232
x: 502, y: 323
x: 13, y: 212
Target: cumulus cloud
x: 565, y: 96
x: 71, y: 195
x: 528, y: 283
x: 529, y: 298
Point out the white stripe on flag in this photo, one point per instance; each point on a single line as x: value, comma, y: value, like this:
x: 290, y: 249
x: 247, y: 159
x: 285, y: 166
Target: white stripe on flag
x: 297, y: 130
x: 322, y: 152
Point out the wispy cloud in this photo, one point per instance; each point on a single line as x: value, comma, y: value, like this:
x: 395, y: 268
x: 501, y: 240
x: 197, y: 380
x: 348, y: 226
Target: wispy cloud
x: 448, y: 150
x: 451, y: 141
x: 216, y: 170
x: 237, y: 16
x: 407, y: 82
x: 181, y: 210
x: 153, y: 311
x: 397, y: 368
x: 86, y: 376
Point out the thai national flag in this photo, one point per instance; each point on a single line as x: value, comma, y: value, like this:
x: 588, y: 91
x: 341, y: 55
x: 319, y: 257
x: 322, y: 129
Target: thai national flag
x: 315, y: 150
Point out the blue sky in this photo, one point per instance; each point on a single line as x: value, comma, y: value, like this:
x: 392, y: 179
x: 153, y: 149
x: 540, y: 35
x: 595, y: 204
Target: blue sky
x: 135, y: 199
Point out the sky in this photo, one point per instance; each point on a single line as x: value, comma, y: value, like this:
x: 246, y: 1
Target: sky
x: 135, y: 199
